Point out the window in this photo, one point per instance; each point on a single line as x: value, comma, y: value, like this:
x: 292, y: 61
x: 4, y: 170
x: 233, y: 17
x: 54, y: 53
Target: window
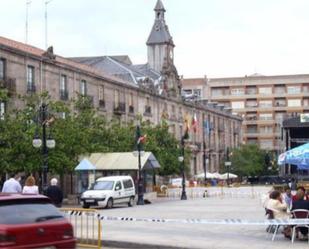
x: 279, y: 89
x: 30, y: 79
x: 101, y: 93
x: 294, y: 102
x: 251, y: 103
x: 63, y: 83
x: 266, y: 143
x: 237, y: 91
x: 251, y: 129
x: 251, y: 90
x: 265, y: 90
x: 280, y: 102
x: 219, y: 91
x: 266, y: 103
x: 2, y: 69
x: 238, y: 104
x: 2, y: 110
x: 116, y: 97
x: 293, y: 89
x: 266, y: 116
x: 127, y: 183
x: 266, y: 129
x: 279, y: 116
x: 83, y: 87
x: 118, y: 186
x: 197, y: 93
x: 131, y: 99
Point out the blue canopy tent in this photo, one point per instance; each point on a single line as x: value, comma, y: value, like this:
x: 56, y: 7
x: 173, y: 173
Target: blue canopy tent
x: 298, y: 156
x: 86, y: 175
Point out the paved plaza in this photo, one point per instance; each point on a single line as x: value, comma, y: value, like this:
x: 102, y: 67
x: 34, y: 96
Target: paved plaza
x: 133, y: 234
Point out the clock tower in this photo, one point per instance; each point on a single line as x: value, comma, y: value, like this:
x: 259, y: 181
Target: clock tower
x: 160, y: 47
x: 160, y: 43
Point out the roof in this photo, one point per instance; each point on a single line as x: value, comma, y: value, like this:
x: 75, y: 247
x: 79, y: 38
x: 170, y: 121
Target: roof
x: 120, y: 67
x: 294, y: 122
x: 159, y: 6
x: 16, y: 196
x: 194, y: 82
x: 85, y: 165
x: 31, y: 50
x: 159, y: 33
x: 113, y: 178
x: 122, y: 161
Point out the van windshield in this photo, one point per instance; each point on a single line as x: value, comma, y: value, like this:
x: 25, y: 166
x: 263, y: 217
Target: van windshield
x: 103, y: 185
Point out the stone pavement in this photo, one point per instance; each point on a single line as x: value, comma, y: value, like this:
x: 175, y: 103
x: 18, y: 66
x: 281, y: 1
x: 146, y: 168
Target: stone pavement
x: 129, y: 234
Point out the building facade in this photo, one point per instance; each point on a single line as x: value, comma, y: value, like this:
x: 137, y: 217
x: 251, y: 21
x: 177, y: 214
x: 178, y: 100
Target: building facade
x: 120, y: 90
x: 262, y: 101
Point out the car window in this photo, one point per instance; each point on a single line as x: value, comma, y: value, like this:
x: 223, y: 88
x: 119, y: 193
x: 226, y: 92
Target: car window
x: 118, y: 186
x: 103, y: 185
x: 23, y: 212
x: 128, y: 183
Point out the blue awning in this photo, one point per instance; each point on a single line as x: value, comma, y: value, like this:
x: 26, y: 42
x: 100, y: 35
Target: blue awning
x: 298, y: 156
x: 85, y: 165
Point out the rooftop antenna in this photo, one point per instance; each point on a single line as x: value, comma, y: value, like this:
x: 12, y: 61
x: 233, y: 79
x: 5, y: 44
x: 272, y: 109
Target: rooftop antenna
x: 28, y: 2
x: 46, y: 3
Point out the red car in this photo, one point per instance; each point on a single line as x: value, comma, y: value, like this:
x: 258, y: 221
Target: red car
x: 32, y: 221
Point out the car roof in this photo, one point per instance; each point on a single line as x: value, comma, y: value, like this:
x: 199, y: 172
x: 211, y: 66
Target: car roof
x: 113, y: 178
x: 17, y: 196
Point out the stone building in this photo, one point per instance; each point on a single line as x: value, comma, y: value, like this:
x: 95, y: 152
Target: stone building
x: 119, y: 89
x: 262, y: 101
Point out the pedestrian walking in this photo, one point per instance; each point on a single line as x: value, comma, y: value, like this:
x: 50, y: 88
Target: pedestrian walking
x: 54, y: 193
x: 30, y: 187
x: 12, y: 185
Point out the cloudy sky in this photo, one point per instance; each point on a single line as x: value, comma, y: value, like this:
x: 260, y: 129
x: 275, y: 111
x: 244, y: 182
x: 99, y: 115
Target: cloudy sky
x: 217, y: 38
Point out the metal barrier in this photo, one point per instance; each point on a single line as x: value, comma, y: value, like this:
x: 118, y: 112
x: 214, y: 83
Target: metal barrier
x: 86, y: 224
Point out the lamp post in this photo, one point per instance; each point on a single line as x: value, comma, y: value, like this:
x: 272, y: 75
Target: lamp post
x: 46, y: 142
x: 140, y: 152
x: 181, y: 160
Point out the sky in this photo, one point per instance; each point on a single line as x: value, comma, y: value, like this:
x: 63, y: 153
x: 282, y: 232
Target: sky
x: 217, y: 38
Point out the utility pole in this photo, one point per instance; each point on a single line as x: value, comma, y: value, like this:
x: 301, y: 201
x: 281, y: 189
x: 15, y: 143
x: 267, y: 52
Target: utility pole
x: 28, y: 2
x: 46, y: 3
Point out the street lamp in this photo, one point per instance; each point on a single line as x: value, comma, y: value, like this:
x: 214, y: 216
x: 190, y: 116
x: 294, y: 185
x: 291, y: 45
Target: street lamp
x: 139, y: 153
x: 46, y: 142
x: 181, y: 160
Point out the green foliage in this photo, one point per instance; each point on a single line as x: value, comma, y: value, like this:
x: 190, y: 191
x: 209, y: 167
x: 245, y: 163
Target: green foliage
x: 81, y: 132
x: 248, y: 160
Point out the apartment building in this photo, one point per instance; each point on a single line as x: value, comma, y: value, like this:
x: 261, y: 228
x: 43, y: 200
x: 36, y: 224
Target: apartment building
x: 262, y: 101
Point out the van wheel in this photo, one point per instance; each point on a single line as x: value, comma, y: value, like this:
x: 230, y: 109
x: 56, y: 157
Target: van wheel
x: 86, y: 205
x: 131, y: 201
x: 109, y: 203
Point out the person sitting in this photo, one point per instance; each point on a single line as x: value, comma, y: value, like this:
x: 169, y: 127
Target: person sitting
x: 287, y: 196
x: 30, y: 187
x: 299, y: 189
x: 277, y: 205
x: 301, y: 203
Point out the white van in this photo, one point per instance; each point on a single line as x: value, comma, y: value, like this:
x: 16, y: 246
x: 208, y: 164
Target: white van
x: 108, y: 191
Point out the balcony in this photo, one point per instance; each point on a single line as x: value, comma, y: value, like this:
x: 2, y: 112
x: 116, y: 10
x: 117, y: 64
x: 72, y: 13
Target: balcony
x: 64, y: 95
x: 9, y: 84
x: 120, y: 108
x: 102, y: 103
x: 131, y: 109
x: 147, y: 110
x: 31, y: 88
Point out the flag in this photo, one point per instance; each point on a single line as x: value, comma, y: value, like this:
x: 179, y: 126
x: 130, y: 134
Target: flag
x: 141, y: 139
x: 187, y: 127
x: 194, y: 123
x: 206, y: 127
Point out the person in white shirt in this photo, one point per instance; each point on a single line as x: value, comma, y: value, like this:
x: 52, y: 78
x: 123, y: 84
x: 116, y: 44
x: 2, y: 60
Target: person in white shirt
x: 12, y: 185
x: 30, y: 187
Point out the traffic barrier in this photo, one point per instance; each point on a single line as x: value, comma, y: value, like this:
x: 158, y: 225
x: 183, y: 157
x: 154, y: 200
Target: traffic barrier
x: 275, y: 222
x: 86, y: 224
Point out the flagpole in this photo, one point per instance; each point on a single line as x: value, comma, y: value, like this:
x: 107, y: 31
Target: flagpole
x: 204, y: 152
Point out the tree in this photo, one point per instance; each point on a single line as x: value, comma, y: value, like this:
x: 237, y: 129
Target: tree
x: 248, y: 160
